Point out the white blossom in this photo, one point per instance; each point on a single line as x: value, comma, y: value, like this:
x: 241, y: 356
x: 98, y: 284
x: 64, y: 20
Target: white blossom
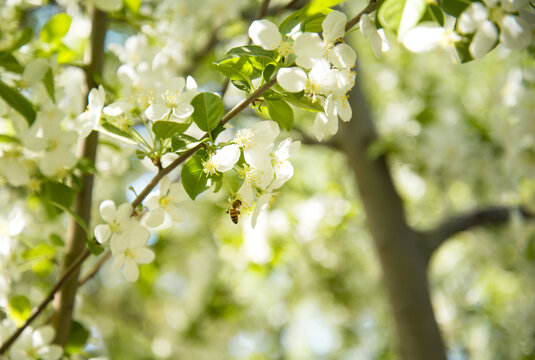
x: 52, y: 144
x: 163, y: 201
x: 118, y: 220
x: 36, y: 343
x: 88, y: 120
x: 310, y: 48
x: 266, y: 34
x: 380, y: 43
x: 223, y: 160
x: 171, y: 102
x: 129, y: 251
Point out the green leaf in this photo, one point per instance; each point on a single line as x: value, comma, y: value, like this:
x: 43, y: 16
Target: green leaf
x: 217, y: 181
x: 94, y: 246
x: 209, y: 110
x: 251, y: 50
x: 24, y: 37
x: 56, y: 28
x: 19, y: 309
x: 17, y: 102
x: 166, y: 129
x: 77, y: 338
x: 40, y: 251
x: 86, y: 166
x: 434, y: 13
x: 74, y: 215
x: 9, y: 139
x: 292, y: 21
x: 239, y: 69
x: 313, y: 23
x: 390, y: 12
x: 455, y: 7
x: 232, y: 181
x: 268, y: 71
x: 116, y: 133
x: 282, y: 113
x: 463, y: 50
x: 10, y: 62
x: 304, y: 103
x: 133, y: 5
x: 316, y: 6
x: 48, y: 80
x: 58, y: 193
x: 183, y: 142
x: 43, y: 267
x: 56, y: 240
x: 193, y: 177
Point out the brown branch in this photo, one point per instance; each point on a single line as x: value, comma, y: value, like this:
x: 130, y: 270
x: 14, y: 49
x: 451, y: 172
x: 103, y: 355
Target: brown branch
x: 37, y: 310
x: 372, y: 5
x: 91, y: 273
x: 490, y: 216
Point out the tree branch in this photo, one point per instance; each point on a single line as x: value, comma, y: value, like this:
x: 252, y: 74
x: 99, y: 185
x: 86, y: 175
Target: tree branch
x: 37, y: 310
x: 490, y: 216
x: 372, y: 5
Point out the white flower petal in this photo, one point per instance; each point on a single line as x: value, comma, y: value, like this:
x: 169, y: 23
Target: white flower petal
x: 130, y: 270
x: 165, y: 183
x: 292, y: 79
x: 50, y: 352
x: 484, y: 39
x: 43, y: 336
x: 342, y: 56
x: 366, y: 25
x: 152, y: 201
x: 183, y: 110
x: 308, y: 46
x: 143, y: 255
x: 124, y: 212
x: 102, y: 233
x: 472, y: 17
x: 515, y: 32
x: 225, y: 158
x: 265, y: 34
x: 155, y: 218
x: 156, y: 112
x: 137, y: 236
x: 334, y: 25
x: 118, y: 262
x: 261, y: 205
x: 108, y: 5
x: 107, y: 210
x: 176, y: 213
x: 423, y: 38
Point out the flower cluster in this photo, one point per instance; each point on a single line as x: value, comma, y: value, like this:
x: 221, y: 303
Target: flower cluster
x: 127, y: 238
x: 265, y: 168
x: 483, y: 20
x: 323, y: 68
x: 32, y: 344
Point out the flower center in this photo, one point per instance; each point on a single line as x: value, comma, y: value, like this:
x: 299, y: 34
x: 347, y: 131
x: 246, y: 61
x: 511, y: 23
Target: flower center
x: 170, y: 97
x: 209, y: 167
x: 285, y: 48
x: 164, y: 201
x: 115, y: 227
x: 244, y: 139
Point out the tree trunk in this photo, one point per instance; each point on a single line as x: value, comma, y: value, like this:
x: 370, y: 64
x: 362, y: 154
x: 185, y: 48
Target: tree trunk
x: 75, y: 241
x: 401, y: 254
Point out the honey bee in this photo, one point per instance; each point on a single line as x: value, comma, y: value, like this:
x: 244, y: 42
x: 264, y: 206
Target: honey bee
x: 234, y: 211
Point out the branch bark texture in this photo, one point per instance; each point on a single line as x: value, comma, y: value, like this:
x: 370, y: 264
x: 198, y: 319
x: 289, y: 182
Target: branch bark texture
x: 400, y: 250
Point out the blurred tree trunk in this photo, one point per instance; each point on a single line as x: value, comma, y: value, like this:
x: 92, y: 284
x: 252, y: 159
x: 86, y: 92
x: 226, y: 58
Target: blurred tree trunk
x: 401, y: 250
x: 75, y: 241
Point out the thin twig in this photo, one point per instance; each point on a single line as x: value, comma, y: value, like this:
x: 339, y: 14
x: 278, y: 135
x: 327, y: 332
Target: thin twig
x: 37, y: 310
x: 372, y: 5
x: 89, y: 275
